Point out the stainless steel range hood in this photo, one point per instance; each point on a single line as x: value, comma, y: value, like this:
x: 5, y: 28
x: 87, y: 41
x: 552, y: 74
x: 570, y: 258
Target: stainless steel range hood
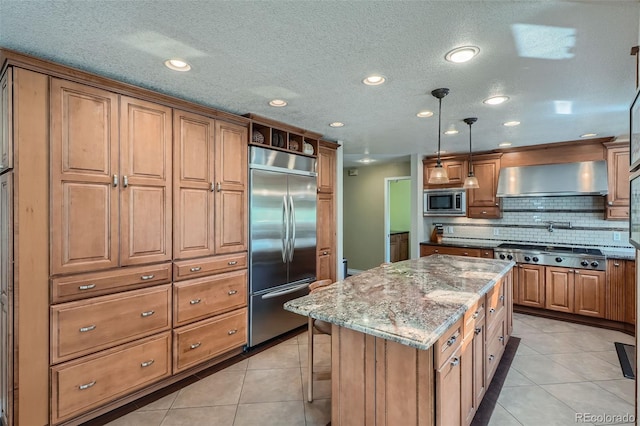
x: 584, y: 178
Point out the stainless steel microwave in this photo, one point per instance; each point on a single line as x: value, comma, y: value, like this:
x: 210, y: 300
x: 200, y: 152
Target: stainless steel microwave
x: 445, y: 202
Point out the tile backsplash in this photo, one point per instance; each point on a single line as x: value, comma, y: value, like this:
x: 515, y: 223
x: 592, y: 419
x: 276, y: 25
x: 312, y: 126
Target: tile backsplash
x: 578, y: 221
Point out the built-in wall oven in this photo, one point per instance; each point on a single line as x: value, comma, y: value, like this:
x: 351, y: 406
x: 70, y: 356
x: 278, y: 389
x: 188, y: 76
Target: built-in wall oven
x: 445, y: 202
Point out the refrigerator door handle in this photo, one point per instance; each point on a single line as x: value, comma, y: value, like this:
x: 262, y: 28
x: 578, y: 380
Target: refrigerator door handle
x: 283, y: 292
x: 292, y: 222
x: 284, y: 234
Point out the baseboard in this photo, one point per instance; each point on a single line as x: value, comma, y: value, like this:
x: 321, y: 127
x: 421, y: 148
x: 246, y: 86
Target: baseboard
x: 354, y: 271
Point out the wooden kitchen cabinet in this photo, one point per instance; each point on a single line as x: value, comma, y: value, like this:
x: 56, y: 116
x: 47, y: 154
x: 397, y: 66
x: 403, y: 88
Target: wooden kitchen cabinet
x: 6, y: 298
x: 531, y: 285
x: 6, y: 117
x: 590, y: 293
x: 448, y: 388
x: 326, y: 212
x: 630, y: 292
x: 399, y: 246
x: 427, y: 250
x: 326, y: 169
x: 472, y: 361
x: 617, y: 200
x: 482, y: 202
x: 456, y: 170
x: 559, y: 289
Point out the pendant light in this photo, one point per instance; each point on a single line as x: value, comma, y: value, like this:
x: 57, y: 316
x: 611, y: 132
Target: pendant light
x: 439, y: 175
x: 471, y: 182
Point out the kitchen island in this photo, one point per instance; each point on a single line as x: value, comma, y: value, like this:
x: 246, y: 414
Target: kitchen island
x: 415, y: 342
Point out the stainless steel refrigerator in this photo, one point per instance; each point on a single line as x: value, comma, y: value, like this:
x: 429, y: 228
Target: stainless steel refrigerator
x: 282, y: 239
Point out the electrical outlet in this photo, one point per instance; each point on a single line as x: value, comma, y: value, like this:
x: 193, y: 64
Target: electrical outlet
x: 450, y: 229
x: 616, y: 236
x: 496, y: 231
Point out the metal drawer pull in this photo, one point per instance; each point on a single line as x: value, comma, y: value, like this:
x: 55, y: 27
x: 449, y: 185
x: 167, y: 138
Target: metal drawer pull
x: 491, y: 357
x: 195, y: 345
x: 147, y: 314
x: 477, y: 331
x: 115, y: 180
x: 465, y: 253
x: 501, y: 338
x: 484, y: 212
x: 455, y: 361
x: 230, y: 332
x: 616, y: 264
x: 87, y: 287
x: 147, y: 363
x: 475, y: 315
x: 233, y: 262
x: 232, y: 292
x: 89, y: 328
x: 218, y: 187
x: 492, y: 310
x: 147, y: 277
x: 502, y: 298
x: 195, y: 269
x: 213, y: 186
x: 194, y: 301
x: 451, y: 340
x: 87, y: 385
x: 324, y: 253
x: 125, y: 181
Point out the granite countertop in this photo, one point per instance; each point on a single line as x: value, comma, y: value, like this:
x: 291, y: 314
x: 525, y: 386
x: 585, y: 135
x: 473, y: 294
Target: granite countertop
x: 478, y: 245
x: 627, y: 254
x: 411, y: 302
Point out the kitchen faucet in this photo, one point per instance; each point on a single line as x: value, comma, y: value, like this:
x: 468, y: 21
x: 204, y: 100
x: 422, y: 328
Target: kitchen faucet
x: 562, y: 224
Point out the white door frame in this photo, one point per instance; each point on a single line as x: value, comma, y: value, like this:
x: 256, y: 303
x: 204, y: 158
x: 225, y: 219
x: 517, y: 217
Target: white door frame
x: 387, y: 215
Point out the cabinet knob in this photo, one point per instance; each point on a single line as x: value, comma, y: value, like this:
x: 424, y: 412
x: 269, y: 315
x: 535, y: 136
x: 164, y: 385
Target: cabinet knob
x: 501, y: 338
x: 455, y: 361
x: 436, y: 251
x: 610, y: 203
x: 195, y: 301
x: 230, y: 332
x: 477, y: 331
x: 324, y: 253
x: 452, y: 340
x: 147, y: 363
x: 491, y: 357
x: 492, y: 310
x: 195, y: 345
x: 465, y: 253
x: 232, y: 292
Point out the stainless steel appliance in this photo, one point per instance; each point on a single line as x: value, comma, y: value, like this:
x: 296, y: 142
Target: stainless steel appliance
x: 282, y: 239
x: 445, y: 202
x: 569, y: 257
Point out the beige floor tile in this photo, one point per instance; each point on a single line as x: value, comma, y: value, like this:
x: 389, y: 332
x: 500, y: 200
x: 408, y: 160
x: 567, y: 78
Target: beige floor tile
x: 279, y: 356
x: 521, y: 328
x: 515, y: 378
x: 221, y: 388
x: 163, y: 403
x: 274, y: 385
x: 291, y: 341
x: 610, y: 356
x: 546, y: 325
x: 321, y: 355
x: 623, y: 388
x: 586, y: 341
x: 614, y: 336
x: 501, y: 417
x: 318, y: 412
x: 302, y: 338
x: 321, y: 388
x: 238, y: 366
x: 524, y: 349
x: 271, y: 414
x: 541, y: 370
x: 588, y: 366
x: 222, y: 415
x: 140, y: 418
x: 589, y: 398
x: 550, y: 343
x: 533, y: 406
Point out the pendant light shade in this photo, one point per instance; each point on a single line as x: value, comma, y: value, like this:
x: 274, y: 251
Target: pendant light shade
x: 471, y: 182
x: 439, y: 175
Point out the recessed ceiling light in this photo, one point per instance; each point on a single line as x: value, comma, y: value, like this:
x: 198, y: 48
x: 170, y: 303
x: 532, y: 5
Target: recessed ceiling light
x: 278, y: 103
x: 503, y: 144
x: 451, y: 132
x: 424, y: 114
x: 496, y: 100
x: 337, y: 124
x: 374, y: 80
x: 511, y: 123
x: 366, y: 160
x: 462, y: 54
x: 177, y: 65
x: 588, y: 135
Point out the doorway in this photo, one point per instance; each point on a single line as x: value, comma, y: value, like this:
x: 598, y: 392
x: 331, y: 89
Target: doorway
x: 397, y: 218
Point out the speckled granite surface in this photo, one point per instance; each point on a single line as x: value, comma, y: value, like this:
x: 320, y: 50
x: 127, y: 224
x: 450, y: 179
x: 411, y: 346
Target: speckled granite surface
x: 629, y: 254
x: 412, y: 302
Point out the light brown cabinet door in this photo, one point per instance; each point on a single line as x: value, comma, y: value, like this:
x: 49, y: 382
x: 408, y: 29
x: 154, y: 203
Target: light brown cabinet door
x: 559, y: 289
x: 467, y: 407
x: 84, y: 175
x: 6, y: 298
x: 325, y: 222
x: 193, y: 185
x: 590, y: 293
x: 482, y: 202
x: 231, y: 188
x: 394, y: 248
x: 618, y: 173
x: 630, y: 291
x: 326, y: 268
x: 448, y: 384
x: 6, y: 120
x: 145, y: 196
x: 456, y: 171
x: 326, y: 169
x: 531, y: 285
x: 479, y: 374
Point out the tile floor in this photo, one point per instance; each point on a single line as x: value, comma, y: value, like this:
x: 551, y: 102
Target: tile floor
x: 560, y: 369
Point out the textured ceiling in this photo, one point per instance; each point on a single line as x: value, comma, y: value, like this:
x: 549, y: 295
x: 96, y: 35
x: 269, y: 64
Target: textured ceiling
x: 315, y: 55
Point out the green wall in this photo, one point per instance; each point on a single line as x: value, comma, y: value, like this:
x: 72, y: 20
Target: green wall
x: 400, y: 205
x: 363, y: 213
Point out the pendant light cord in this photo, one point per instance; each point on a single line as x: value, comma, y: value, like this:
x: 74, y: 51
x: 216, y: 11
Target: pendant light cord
x: 470, y: 155
x: 439, y: 126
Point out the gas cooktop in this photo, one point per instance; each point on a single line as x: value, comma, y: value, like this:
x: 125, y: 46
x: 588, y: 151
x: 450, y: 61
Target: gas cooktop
x: 551, y: 249
x: 570, y: 257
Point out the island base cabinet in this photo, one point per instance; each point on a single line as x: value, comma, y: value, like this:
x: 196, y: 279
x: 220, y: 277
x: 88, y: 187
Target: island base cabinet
x: 448, y: 387
x: 80, y: 385
x: 378, y: 382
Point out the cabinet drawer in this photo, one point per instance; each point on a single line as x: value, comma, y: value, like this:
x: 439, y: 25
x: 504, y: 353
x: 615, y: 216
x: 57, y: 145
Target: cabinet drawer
x: 474, y: 317
x: 186, y: 269
x: 495, y: 305
x: 486, y: 253
x: 99, y: 283
x: 448, y: 343
x: 617, y: 213
x: 484, y: 212
x: 201, y: 298
x: 85, y: 326
x: 207, y: 339
x: 495, y: 348
x: 83, y: 384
